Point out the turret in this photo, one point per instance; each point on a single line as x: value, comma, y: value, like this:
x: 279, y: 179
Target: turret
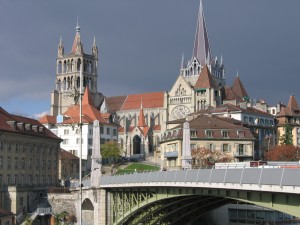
x: 60, y: 51
x: 95, y: 49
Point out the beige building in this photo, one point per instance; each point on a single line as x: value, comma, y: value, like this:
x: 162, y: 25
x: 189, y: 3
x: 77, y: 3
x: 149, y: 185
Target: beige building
x: 28, y: 162
x: 211, y: 132
x: 289, y: 114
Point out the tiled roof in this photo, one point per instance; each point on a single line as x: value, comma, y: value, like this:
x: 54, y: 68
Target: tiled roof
x: 293, y: 105
x: 150, y: 100
x: 115, y: 103
x: 205, y: 79
x: 89, y: 112
x: 239, y: 89
x: 21, y: 125
x: 47, y: 119
x: 4, y: 212
x: 202, y: 123
x: 63, y: 154
x: 229, y: 94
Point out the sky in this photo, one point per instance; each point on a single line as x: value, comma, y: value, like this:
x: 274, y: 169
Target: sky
x: 141, y: 44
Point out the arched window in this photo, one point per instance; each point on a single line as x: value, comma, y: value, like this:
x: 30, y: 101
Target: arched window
x: 65, y: 67
x: 136, y: 145
x: 59, y: 67
x: 78, y: 64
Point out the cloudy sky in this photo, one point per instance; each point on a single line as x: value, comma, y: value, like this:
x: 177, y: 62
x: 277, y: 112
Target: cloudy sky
x: 141, y: 42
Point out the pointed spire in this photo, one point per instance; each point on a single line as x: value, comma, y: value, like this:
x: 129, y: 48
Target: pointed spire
x: 237, y: 73
x: 293, y: 105
x: 201, y: 45
x: 205, y: 79
x: 182, y: 62
x: 60, y: 52
x: 95, y: 48
x: 87, y: 97
x: 77, y: 45
x: 238, y: 88
x: 142, y: 122
x: 221, y: 61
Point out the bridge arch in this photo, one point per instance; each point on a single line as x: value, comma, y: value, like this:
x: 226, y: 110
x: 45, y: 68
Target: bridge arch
x: 87, y: 211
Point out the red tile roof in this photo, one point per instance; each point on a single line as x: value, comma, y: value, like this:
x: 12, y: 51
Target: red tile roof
x: 205, y: 79
x: 115, y: 103
x: 66, y: 155
x: 15, y: 124
x: 47, y: 119
x: 239, y: 89
x: 150, y: 100
x: 293, y: 105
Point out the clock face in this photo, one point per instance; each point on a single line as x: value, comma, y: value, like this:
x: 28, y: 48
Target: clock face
x: 180, y: 112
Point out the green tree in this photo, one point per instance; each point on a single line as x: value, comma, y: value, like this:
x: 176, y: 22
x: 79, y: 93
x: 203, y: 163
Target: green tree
x: 287, y: 137
x: 60, y: 218
x: 111, y: 149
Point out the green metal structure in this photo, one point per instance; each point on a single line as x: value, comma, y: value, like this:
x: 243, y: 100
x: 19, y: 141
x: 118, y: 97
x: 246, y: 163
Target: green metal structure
x: 180, y: 205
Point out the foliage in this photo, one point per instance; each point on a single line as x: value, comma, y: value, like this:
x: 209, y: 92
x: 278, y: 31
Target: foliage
x: 206, y: 157
x: 283, y: 153
x: 110, y: 149
x: 287, y: 137
x: 61, y: 218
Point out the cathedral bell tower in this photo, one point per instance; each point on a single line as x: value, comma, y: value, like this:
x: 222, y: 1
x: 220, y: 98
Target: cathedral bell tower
x: 67, y: 80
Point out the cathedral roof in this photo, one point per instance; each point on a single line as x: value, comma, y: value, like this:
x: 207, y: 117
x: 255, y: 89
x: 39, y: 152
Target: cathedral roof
x: 201, y: 45
x: 205, y: 79
x: 115, y: 103
x: 239, y: 89
x: 150, y: 100
x: 77, y: 41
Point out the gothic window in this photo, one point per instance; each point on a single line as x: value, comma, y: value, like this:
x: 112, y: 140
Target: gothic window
x: 78, y: 64
x: 59, y: 67
x: 78, y: 82
x: 71, y: 65
x: 64, y: 84
x: 136, y: 145
x: 65, y: 67
x: 68, y: 83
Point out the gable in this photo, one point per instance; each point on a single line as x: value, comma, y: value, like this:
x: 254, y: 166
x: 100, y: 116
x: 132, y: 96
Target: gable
x: 181, y: 87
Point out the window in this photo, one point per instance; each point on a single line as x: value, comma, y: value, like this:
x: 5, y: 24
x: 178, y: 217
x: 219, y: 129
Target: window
x: 102, y: 141
x: 23, y: 163
x: 226, y: 148
x: 8, y: 162
x: 0, y: 179
x: 193, y: 133
x: 1, y: 145
x: 30, y: 163
x: 209, y: 133
x: 241, y: 149
x: 90, y: 141
x: 66, y: 132
x: 74, y: 152
x: 66, y: 141
x: 7, y: 223
x: 49, y: 164
x: 101, y: 130
x: 78, y: 140
x: 91, y: 132
x: 115, y: 132
x: 36, y: 163
x: 9, y: 145
x: 225, y: 134
x: 17, y: 147
x: 107, y: 130
x: 193, y: 146
x: 16, y: 162
x: 1, y: 162
x: 8, y: 179
x: 16, y: 180
x: 245, y: 118
x: 241, y: 134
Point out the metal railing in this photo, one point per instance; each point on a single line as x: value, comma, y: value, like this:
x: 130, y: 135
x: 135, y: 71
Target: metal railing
x: 259, y: 176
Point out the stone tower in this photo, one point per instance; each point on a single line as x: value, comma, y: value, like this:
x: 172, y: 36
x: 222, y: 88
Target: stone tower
x: 68, y: 66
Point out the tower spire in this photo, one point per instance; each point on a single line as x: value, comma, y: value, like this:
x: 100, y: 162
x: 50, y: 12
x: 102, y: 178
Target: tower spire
x: 60, y: 52
x: 201, y: 45
x: 77, y: 47
x: 182, y: 61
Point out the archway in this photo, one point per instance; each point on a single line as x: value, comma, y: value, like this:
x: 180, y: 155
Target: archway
x: 136, y: 145
x: 87, y: 212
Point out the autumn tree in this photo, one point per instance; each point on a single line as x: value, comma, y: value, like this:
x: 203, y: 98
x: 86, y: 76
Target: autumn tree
x: 283, y: 153
x: 287, y: 137
x: 206, y: 157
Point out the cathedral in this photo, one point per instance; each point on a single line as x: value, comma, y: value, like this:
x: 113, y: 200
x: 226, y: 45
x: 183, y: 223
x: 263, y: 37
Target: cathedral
x: 143, y: 118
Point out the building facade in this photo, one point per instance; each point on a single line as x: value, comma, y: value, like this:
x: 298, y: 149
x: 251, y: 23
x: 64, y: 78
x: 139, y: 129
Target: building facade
x: 28, y: 162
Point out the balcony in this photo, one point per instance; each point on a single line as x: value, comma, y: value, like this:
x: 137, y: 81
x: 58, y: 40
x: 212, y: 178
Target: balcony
x: 173, y: 154
x: 180, y: 99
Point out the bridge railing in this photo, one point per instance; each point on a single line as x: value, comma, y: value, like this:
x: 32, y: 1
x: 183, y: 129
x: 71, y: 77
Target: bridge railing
x: 259, y: 176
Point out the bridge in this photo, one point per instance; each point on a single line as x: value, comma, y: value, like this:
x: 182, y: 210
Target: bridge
x: 177, y: 197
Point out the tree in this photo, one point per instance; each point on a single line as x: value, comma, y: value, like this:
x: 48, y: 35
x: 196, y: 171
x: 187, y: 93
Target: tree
x: 60, y: 218
x: 111, y: 149
x: 287, y: 137
x: 283, y: 153
x: 206, y: 157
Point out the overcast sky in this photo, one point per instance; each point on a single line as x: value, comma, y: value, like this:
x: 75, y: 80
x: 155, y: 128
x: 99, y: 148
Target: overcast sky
x: 141, y: 42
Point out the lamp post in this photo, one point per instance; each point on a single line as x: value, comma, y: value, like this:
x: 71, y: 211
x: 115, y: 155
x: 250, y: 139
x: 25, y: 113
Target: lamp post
x: 80, y: 146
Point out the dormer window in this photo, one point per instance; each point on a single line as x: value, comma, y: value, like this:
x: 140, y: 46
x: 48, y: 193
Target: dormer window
x: 193, y: 133
x: 225, y: 134
x: 241, y: 134
x: 209, y: 133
